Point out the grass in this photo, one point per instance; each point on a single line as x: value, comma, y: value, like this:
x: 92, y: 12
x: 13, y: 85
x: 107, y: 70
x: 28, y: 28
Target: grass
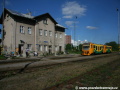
x: 44, y: 77
x: 2, y: 57
x: 107, y: 75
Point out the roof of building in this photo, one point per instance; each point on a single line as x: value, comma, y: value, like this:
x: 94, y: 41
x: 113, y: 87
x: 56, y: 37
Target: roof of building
x: 58, y: 25
x: 29, y: 16
x: 20, y: 14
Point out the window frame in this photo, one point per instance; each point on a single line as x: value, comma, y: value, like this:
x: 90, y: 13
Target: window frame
x: 22, y: 29
x: 40, y: 32
x: 29, y: 30
x: 45, y: 33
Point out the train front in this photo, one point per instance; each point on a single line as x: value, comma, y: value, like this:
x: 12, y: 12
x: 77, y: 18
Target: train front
x: 86, y: 49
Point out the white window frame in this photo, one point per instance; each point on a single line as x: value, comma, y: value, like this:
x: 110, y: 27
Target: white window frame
x: 22, y: 29
x: 40, y: 32
x: 60, y: 35
x: 56, y: 49
x: 56, y: 35
x: 45, y: 32
x: 45, y: 21
x: 29, y: 46
x: 40, y: 47
x: 45, y: 48
x: 29, y: 30
x: 50, y: 33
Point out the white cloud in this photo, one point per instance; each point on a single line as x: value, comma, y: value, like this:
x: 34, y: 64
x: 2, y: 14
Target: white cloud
x: 91, y: 27
x: 76, y: 43
x: 70, y: 9
x: 67, y: 16
x: 69, y: 23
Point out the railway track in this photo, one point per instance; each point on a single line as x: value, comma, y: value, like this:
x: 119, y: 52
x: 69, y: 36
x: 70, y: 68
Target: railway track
x: 56, y: 71
x: 10, y: 65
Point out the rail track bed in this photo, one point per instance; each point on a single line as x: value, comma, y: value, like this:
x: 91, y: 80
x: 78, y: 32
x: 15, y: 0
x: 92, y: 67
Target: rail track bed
x: 52, y: 73
x: 7, y: 65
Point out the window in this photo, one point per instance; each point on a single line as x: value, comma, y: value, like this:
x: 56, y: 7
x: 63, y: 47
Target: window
x: 96, y: 48
x: 50, y: 33
x: 86, y: 47
x: 22, y: 29
x: 45, y: 32
x: 45, y: 21
x: 56, y: 35
x: 40, y: 48
x: 29, y: 46
x: 55, y: 48
x: 40, y: 32
x: 60, y: 35
x: 45, y: 48
x: 29, y: 30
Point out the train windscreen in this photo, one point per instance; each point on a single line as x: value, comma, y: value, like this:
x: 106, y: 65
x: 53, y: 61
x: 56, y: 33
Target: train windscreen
x: 86, y: 47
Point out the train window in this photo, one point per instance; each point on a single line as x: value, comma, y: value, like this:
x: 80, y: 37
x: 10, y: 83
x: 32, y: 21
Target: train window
x: 108, y: 47
x: 102, y: 47
x: 86, y: 47
x: 96, y: 47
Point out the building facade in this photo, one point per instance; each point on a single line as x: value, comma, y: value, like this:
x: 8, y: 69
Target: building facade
x: 68, y: 39
x: 41, y: 33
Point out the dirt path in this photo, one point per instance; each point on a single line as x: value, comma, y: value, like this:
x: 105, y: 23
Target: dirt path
x: 41, y: 78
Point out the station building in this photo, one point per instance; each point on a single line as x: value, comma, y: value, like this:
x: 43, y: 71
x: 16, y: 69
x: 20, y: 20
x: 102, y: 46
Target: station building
x: 37, y: 33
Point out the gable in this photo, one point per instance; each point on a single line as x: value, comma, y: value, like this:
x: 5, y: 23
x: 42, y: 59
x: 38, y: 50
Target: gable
x: 43, y: 16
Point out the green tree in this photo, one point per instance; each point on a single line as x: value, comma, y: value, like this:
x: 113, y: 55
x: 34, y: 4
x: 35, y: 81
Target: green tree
x: 114, y: 45
x: 69, y: 47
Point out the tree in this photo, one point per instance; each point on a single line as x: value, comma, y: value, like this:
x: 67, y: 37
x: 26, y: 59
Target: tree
x: 69, y: 47
x: 114, y: 45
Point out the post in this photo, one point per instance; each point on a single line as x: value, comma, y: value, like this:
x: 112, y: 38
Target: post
x: 118, y: 31
x: 3, y: 23
x: 75, y: 30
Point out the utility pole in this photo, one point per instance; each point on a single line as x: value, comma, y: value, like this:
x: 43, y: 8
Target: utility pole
x: 118, y: 30
x: 75, y: 29
x: 3, y: 23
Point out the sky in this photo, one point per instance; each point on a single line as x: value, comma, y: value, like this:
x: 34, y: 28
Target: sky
x: 92, y: 20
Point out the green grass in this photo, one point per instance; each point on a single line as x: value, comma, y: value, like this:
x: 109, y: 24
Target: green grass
x: 2, y: 57
x: 107, y: 75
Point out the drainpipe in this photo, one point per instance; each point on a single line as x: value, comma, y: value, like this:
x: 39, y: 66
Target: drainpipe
x: 15, y: 35
x: 35, y: 38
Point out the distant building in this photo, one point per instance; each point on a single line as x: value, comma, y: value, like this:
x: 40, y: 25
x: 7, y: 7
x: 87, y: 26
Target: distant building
x: 40, y: 33
x: 68, y: 39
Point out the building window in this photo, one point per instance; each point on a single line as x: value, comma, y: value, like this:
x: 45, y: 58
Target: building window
x: 60, y: 35
x: 40, y: 32
x: 29, y: 30
x: 56, y: 35
x: 29, y: 46
x: 50, y: 33
x: 22, y: 29
x: 56, y: 48
x: 45, y: 48
x: 45, y: 21
x: 45, y: 32
x: 40, y: 48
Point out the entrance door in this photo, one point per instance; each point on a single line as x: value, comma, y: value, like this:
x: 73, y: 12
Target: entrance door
x: 60, y: 48
x: 20, y: 49
x: 50, y: 49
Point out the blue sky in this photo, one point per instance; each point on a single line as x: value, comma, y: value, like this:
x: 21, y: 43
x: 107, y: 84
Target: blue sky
x: 96, y: 21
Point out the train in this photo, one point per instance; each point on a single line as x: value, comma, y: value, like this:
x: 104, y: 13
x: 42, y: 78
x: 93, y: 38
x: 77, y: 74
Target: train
x: 91, y: 48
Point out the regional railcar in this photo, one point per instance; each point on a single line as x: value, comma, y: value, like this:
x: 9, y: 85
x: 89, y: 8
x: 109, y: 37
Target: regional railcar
x: 91, y: 48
